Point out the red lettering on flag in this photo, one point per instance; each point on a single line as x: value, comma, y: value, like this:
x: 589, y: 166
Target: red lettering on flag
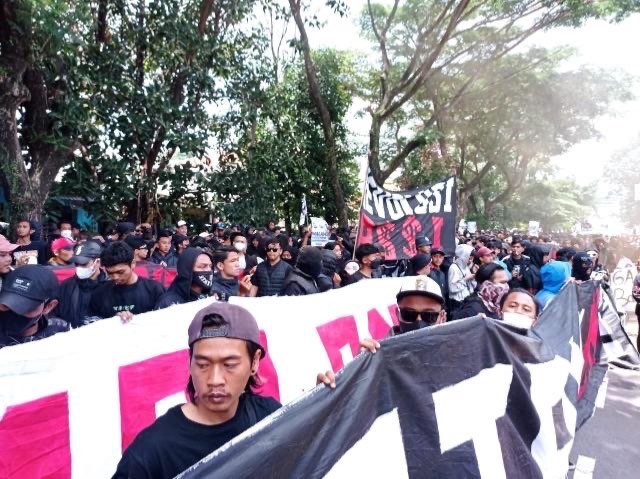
x: 385, y: 235
x: 438, y: 223
x: 35, y: 439
x: 365, y: 231
x: 590, y: 343
x: 337, y: 334
x: 267, y: 373
x: 410, y: 229
x: 145, y: 383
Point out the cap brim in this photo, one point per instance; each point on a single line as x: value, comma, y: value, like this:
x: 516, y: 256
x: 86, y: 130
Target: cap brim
x: 81, y: 260
x: 403, y: 294
x: 19, y: 304
x: 9, y: 249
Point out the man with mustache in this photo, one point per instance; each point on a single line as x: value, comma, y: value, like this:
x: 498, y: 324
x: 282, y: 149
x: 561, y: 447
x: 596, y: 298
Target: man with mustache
x: 224, y: 351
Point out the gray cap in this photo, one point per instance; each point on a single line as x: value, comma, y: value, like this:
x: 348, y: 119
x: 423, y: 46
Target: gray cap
x: 240, y: 324
x: 87, y: 251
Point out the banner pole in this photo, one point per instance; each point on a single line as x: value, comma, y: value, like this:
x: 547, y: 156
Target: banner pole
x: 364, y: 192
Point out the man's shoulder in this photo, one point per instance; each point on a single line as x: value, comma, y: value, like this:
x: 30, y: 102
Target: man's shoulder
x: 262, y: 405
x: 157, y: 434
x: 150, y: 284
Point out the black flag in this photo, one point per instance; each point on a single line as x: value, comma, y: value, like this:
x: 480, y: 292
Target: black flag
x: 471, y: 398
x: 396, y: 218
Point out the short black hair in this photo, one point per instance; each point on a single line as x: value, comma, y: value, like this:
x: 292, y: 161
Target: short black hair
x: 165, y: 234
x: 537, y: 304
x: 275, y: 241
x: 117, y: 252
x: 365, y: 249
x: 235, y: 234
x: 486, y: 271
x: 65, y: 222
x: 215, y: 321
x: 221, y: 254
x: 517, y: 241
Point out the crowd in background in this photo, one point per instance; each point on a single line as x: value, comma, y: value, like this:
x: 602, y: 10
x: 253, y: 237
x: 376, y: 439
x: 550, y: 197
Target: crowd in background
x: 239, y: 260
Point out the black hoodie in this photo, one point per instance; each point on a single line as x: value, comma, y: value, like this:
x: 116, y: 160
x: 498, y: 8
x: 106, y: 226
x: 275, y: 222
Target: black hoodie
x: 180, y: 290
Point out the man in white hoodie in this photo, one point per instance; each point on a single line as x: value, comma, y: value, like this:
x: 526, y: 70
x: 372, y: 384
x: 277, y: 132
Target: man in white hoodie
x: 461, y: 279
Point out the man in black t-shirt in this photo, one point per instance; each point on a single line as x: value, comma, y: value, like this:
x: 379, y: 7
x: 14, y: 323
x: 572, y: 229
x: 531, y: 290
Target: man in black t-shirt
x: 224, y: 351
x: 126, y: 294
x: 28, y: 251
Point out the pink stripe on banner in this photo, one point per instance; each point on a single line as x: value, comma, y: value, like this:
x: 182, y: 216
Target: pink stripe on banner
x: 145, y: 383
x: 34, y: 439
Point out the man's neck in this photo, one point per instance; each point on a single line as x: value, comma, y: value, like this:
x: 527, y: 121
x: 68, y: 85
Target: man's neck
x: 366, y: 271
x: 274, y: 262
x: 227, y: 277
x: 202, y: 415
x: 516, y: 258
x: 23, y: 240
x: 133, y: 279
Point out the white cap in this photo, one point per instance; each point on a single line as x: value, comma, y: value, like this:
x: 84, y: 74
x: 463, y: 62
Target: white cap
x: 181, y: 223
x: 422, y: 285
x: 204, y: 234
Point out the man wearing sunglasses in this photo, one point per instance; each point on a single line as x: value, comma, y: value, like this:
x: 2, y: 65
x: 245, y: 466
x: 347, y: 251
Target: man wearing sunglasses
x: 270, y: 275
x: 420, y: 304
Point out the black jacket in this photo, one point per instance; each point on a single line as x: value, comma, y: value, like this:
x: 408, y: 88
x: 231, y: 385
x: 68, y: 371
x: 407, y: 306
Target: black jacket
x: 298, y: 283
x: 440, y: 277
x: 530, y: 279
x: 180, y: 290
x: 223, y: 288
x: 270, y: 279
x: 74, y: 297
x: 171, y: 258
x: 472, y: 306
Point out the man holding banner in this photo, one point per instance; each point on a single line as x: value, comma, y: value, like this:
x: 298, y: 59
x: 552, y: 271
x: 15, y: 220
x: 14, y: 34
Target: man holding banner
x: 224, y: 352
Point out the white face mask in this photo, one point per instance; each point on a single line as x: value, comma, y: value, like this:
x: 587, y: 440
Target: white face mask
x: 240, y: 246
x: 517, y: 319
x: 85, y: 272
x: 66, y: 234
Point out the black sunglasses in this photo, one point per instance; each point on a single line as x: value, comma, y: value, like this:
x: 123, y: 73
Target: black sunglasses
x: 273, y: 250
x: 409, y: 315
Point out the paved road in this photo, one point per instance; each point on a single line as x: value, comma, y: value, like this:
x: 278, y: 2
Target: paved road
x: 608, y: 446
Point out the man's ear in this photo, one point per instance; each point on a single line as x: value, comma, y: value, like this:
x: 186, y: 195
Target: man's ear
x: 256, y: 361
x: 50, y: 306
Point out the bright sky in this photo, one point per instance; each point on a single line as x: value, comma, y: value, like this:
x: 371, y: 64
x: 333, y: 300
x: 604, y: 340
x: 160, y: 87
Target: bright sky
x: 598, y: 43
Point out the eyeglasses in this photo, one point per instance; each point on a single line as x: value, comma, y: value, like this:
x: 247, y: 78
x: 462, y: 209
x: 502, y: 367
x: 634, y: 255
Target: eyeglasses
x: 273, y: 250
x: 409, y: 315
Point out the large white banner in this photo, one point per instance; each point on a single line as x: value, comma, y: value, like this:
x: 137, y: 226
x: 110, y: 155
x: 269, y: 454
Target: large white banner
x: 77, y: 399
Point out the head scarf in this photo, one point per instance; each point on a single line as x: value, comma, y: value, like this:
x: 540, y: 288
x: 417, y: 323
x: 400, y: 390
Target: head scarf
x: 491, y: 294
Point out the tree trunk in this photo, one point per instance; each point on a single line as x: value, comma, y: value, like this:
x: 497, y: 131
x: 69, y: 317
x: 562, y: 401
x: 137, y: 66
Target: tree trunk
x: 327, y: 128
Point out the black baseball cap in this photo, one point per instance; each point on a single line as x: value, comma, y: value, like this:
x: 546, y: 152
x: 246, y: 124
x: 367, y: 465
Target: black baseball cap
x: 240, y: 324
x: 27, y: 287
x: 437, y: 250
x: 136, y: 242
x: 422, y: 241
x: 87, y: 251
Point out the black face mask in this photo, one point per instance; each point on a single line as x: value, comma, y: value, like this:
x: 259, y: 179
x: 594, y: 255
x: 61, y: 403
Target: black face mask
x: 14, y: 324
x: 375, y: 264
x: 407, y: 327
x: 203, y: 279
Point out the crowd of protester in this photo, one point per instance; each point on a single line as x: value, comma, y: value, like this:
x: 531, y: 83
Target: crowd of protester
x: 499, y: 275
x: 225, y: 261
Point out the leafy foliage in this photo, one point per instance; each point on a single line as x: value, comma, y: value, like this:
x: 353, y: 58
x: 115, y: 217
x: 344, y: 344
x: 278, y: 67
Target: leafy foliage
x: 284, y: 158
